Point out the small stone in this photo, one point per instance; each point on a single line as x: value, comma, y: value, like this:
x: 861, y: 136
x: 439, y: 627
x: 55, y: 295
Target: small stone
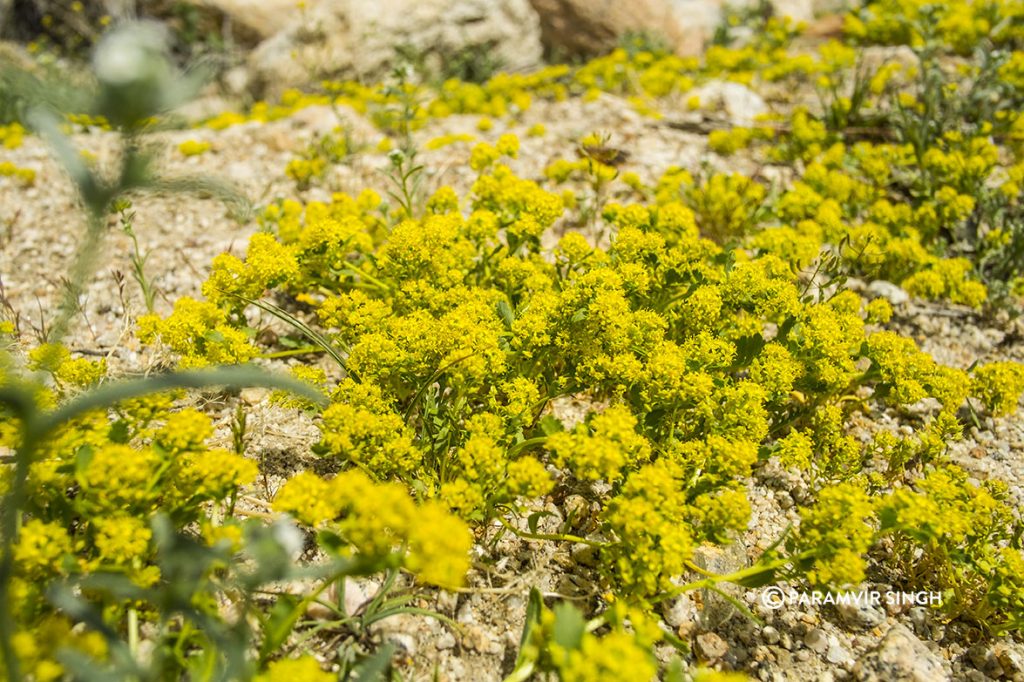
x: 476, y: 639
x: 919, y: 618
x: 859, y: 614
x: 721, y: 561
x: 466, y: 613
x: 253, y: 396
x: 445, y: 641
x: 837, y: 653
x: 403, y: 640
x: 447, y: 602
x: 356, y: 594
x: 1011, y: 657
x: 739, y: 103
x: 984, y: 659
x: 710, y: 646
x: 770, y: 635
x: 816, y: 640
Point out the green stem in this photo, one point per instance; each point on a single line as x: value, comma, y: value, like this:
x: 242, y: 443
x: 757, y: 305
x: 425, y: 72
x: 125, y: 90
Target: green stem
x: 81, y: 269
x: 305, y: 350
x: 550, y: 536
x: 23, y: 407
x: 526, y: 445
x: 133, y: 632
x: 712, y: 580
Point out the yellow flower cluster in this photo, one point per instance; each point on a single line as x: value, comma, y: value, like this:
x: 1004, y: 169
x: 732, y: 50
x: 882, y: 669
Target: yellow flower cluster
x: 836, y: 532
x: 198, y: 331
x: 194, y: 147
x: 12, y: 135
x: 602, y: 450
x: 302, y: 669
x: 379, y: 519
x: 559, y: 643
x: 999, y: 385
x: 26, y: 176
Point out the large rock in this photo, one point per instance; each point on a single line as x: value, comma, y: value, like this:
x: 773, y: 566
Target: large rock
x: 900, y: 657
x: 581, y: 28
x: 359, y: 39
x: 575, y: 28
x: 262, y: 17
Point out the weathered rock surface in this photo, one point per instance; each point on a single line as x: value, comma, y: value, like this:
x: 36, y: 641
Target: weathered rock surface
x: 591, y: 27
x: 357, y: 39
x: 263, y: 17
x: 900, y: 657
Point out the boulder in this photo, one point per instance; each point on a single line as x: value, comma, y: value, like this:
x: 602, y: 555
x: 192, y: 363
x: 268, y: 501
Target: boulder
x: 264, y: 18
x: 900, y: 657
x: 360, y: 39
x: 583, y: 28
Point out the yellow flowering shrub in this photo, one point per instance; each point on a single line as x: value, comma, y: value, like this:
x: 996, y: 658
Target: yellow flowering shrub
x: 700, y: 317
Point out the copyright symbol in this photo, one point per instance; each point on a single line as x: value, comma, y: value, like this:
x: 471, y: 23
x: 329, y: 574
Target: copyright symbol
x: 773, y: 597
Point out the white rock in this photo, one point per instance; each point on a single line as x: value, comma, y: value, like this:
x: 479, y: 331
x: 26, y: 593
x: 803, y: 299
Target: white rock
x: 889, y: 291
x: 836, y: 653
x: 679, y: 611
x: 858, y: 613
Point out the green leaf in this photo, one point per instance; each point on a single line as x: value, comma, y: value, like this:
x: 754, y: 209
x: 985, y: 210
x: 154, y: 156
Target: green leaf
x: 737, y: 604
x: 279, y: 623
x: 110, y: 394
x: 758, y: 579
x: 506, y: 314
x: 374, y: 667
x: 747, y: 348
x: 534, y: 606
x: 569, y: 626
x: 532, y: 519
x: 550, y: 424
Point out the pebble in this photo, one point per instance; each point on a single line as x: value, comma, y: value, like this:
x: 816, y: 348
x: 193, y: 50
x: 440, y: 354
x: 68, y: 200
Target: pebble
x: 770, y: 635
x: 859, y: 614
x: 837, y: 653
x: 445, y: 641
x: 710, y: 646
x: 402, y: 640
x: 816, y: 640
x: 984, y: 659
x: 919, y: 618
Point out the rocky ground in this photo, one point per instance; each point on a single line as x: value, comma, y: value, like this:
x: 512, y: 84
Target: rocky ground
x: 39, y: 226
